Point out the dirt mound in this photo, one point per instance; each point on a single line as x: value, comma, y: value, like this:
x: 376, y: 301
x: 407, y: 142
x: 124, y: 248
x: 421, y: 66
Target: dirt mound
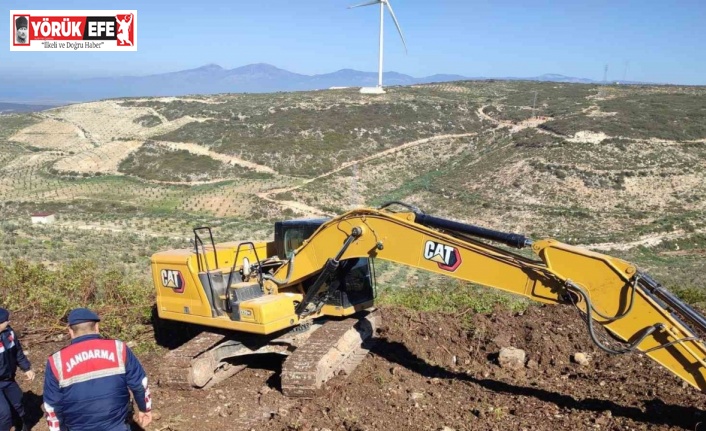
x: 431, y: 371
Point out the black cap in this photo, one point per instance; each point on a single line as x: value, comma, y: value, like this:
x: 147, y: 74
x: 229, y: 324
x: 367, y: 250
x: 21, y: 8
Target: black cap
x: 82, y: 315
x: 4, y: 315
x: 21, y: 22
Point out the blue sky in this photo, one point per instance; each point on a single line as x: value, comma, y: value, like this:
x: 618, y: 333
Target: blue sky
x: 660, y: 41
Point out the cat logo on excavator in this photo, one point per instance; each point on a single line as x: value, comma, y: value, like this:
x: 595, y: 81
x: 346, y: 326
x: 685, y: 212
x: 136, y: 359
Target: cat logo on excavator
x: 173, y: 279
x: 446, y: 256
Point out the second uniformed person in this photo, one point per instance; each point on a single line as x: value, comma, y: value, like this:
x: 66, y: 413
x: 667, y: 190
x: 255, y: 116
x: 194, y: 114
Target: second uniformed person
x: 11, y: 356
x: 86, y: 383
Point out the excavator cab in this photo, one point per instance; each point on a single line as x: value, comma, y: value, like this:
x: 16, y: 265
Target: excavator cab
x: 224, y: 284
x: 290, y: 234
x: 352, y: 284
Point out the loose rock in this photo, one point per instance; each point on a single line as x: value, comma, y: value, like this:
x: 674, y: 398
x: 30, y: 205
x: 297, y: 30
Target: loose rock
x: 416, y: 396
x: 581, y: 358
x: 512, y: 358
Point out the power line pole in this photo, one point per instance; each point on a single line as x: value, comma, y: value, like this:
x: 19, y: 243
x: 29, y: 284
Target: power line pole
x: 534, y: 103
x: 605, y: 74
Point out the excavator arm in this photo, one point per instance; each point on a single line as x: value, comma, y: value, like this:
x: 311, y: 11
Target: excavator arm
x: 607, y: 291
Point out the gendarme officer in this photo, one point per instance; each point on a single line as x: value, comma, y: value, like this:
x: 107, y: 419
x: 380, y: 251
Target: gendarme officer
x: 11, y: 356
x: 87, y: 383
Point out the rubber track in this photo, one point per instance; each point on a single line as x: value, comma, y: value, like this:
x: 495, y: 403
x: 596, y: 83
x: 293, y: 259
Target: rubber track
x: 339, y: 345
x: 176, y: 368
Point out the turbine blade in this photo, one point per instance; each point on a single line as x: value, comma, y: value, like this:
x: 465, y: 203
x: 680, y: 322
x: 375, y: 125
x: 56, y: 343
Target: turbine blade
x: 394, y: 18
x: 365, y: 4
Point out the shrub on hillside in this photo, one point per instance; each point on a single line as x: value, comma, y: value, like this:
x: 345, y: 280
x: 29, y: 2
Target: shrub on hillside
x: 48, y: 295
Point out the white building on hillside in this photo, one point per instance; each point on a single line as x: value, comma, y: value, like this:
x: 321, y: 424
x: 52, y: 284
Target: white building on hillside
x: 43, y: 217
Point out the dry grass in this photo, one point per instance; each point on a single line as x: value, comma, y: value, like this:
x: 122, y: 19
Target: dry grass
x: 104, y: 159
x: 54, y: 134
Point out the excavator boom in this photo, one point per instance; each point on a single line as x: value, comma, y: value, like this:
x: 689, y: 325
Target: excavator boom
x: 607, y: 291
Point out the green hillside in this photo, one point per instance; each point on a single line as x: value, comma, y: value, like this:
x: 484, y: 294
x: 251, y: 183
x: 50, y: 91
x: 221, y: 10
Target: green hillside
x: 615, y: 168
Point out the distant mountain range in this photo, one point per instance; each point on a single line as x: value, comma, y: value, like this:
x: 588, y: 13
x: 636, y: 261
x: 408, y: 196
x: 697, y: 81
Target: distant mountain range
x: 212, y: 79
x: 13, y: 108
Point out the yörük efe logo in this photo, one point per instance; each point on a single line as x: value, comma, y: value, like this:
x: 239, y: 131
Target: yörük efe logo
x: 73, y: 30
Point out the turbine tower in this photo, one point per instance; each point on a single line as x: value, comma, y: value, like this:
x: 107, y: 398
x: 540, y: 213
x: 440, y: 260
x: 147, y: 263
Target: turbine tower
x: 383, y: 3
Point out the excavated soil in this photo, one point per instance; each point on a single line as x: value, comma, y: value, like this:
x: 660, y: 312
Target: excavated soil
x: 431, y: 371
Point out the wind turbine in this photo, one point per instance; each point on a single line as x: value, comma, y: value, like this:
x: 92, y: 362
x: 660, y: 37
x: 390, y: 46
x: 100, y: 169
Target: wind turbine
x: 383, y: 3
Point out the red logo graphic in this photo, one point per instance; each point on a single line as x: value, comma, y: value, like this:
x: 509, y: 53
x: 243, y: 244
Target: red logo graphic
x: 125, y: 29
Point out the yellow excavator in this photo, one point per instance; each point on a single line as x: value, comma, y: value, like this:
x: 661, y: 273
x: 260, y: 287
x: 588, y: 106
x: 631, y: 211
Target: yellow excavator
x: 309, y: 294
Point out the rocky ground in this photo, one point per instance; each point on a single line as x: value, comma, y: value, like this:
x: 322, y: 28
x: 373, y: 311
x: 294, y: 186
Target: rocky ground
x: 432, y: 371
